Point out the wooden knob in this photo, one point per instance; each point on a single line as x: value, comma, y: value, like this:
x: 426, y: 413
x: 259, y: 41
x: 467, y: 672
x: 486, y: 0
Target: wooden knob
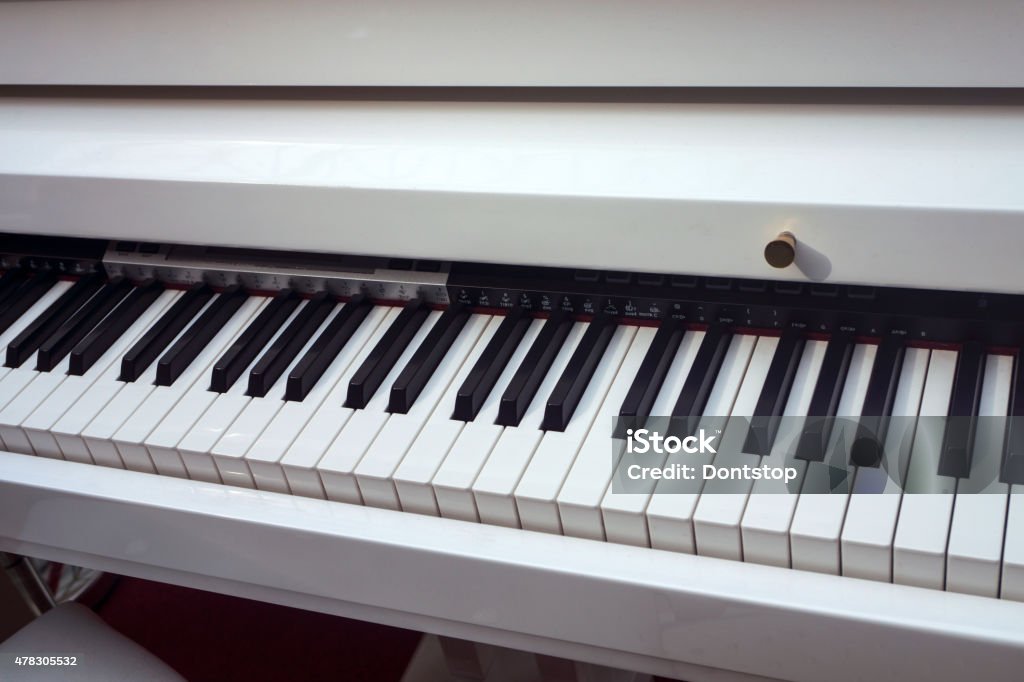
x: 781, y: 251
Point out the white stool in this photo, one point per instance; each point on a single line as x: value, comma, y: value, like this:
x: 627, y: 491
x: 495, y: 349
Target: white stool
x: 70, y: 629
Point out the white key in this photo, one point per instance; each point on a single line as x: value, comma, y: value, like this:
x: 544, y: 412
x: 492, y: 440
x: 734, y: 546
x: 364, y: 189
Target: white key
x: 337, y: 466
x: 129, y: 438
x: 818, y: 518
x: 299, y: 460
x: 537, y: 493
x: 374, y: 472
x: 1012, y: 579
x: 979, y: 512
x: 480, y: 474
x: 18, y: 326
x: 587, y: 505
x: 875, y: 503
x: 264, y: 457
x: 15, y: 379
x: 413, y: 476
x: 919, y: 549
x: 593, y: 464
x: 41, y: 385
x: 670, y: 511
x: 106, y: 405
x: 229, y: 451
x: 765, y: 524
x: 716, y: 521
x: 74, y: 388
x: 179, y: 444
x: 93, y: 427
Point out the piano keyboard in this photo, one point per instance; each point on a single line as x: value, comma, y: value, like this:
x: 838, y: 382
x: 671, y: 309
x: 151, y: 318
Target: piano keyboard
x: 506, y: 419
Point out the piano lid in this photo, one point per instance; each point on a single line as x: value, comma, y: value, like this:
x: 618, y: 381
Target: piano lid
x: 876, y: 195
x: 568, y: 43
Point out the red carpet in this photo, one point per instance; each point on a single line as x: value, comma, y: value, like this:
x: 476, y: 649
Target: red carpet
x: 207, y: 636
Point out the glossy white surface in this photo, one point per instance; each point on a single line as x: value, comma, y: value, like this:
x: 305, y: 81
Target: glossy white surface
x: 976, y: 542
x: 191, y: 428
x: 251, y: 422
x: 337, y: 466
x: 871, y: 517
x: 263, y: 457
x: 1012, y: 584
x: 536, y: 495
x: 922, y: 534
x: 434, y: 445
x: 540, y: 183
x: 37, y: 426
x: 377, y: 467
x: 765, y: 524
x: 479, y: 476
x: 623, y: 516
x: 138, y: 420
x: 531, y: 42
x: 640, y: 608
x: 6, y: 382
x: 818, y: 518
x: 670, y: 516
x: 716, y: 519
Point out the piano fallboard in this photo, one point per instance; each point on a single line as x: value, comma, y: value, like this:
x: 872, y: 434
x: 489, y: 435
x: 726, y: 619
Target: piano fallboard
x: 879, y: 195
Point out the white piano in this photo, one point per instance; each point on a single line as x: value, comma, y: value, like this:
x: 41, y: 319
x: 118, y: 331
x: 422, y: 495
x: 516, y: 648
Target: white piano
x: 334, y: 306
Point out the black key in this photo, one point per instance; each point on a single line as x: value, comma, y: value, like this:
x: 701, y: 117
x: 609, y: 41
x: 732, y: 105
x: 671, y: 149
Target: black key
x: 248, y: 345
x: 9, y: 283
x: 534, y: 368
x: 958, y: 442
x: 423, y: 363
x: 697, y: 387
x: 43, y: 327
x: 1013, y: 448
x: 160, y: 335
x: 321, y: 354
x: 651, y: 375
x: 772, y: 402
x: 489, y: 366
x: 107, y: 332
x: 190, y: 344
x: 574, y: 380
x: 825, y: 399
x: 286, y: 346
x: 866, y: 450
x: 81, y: 323
x: 385, y: 354
x: 24, y: 297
